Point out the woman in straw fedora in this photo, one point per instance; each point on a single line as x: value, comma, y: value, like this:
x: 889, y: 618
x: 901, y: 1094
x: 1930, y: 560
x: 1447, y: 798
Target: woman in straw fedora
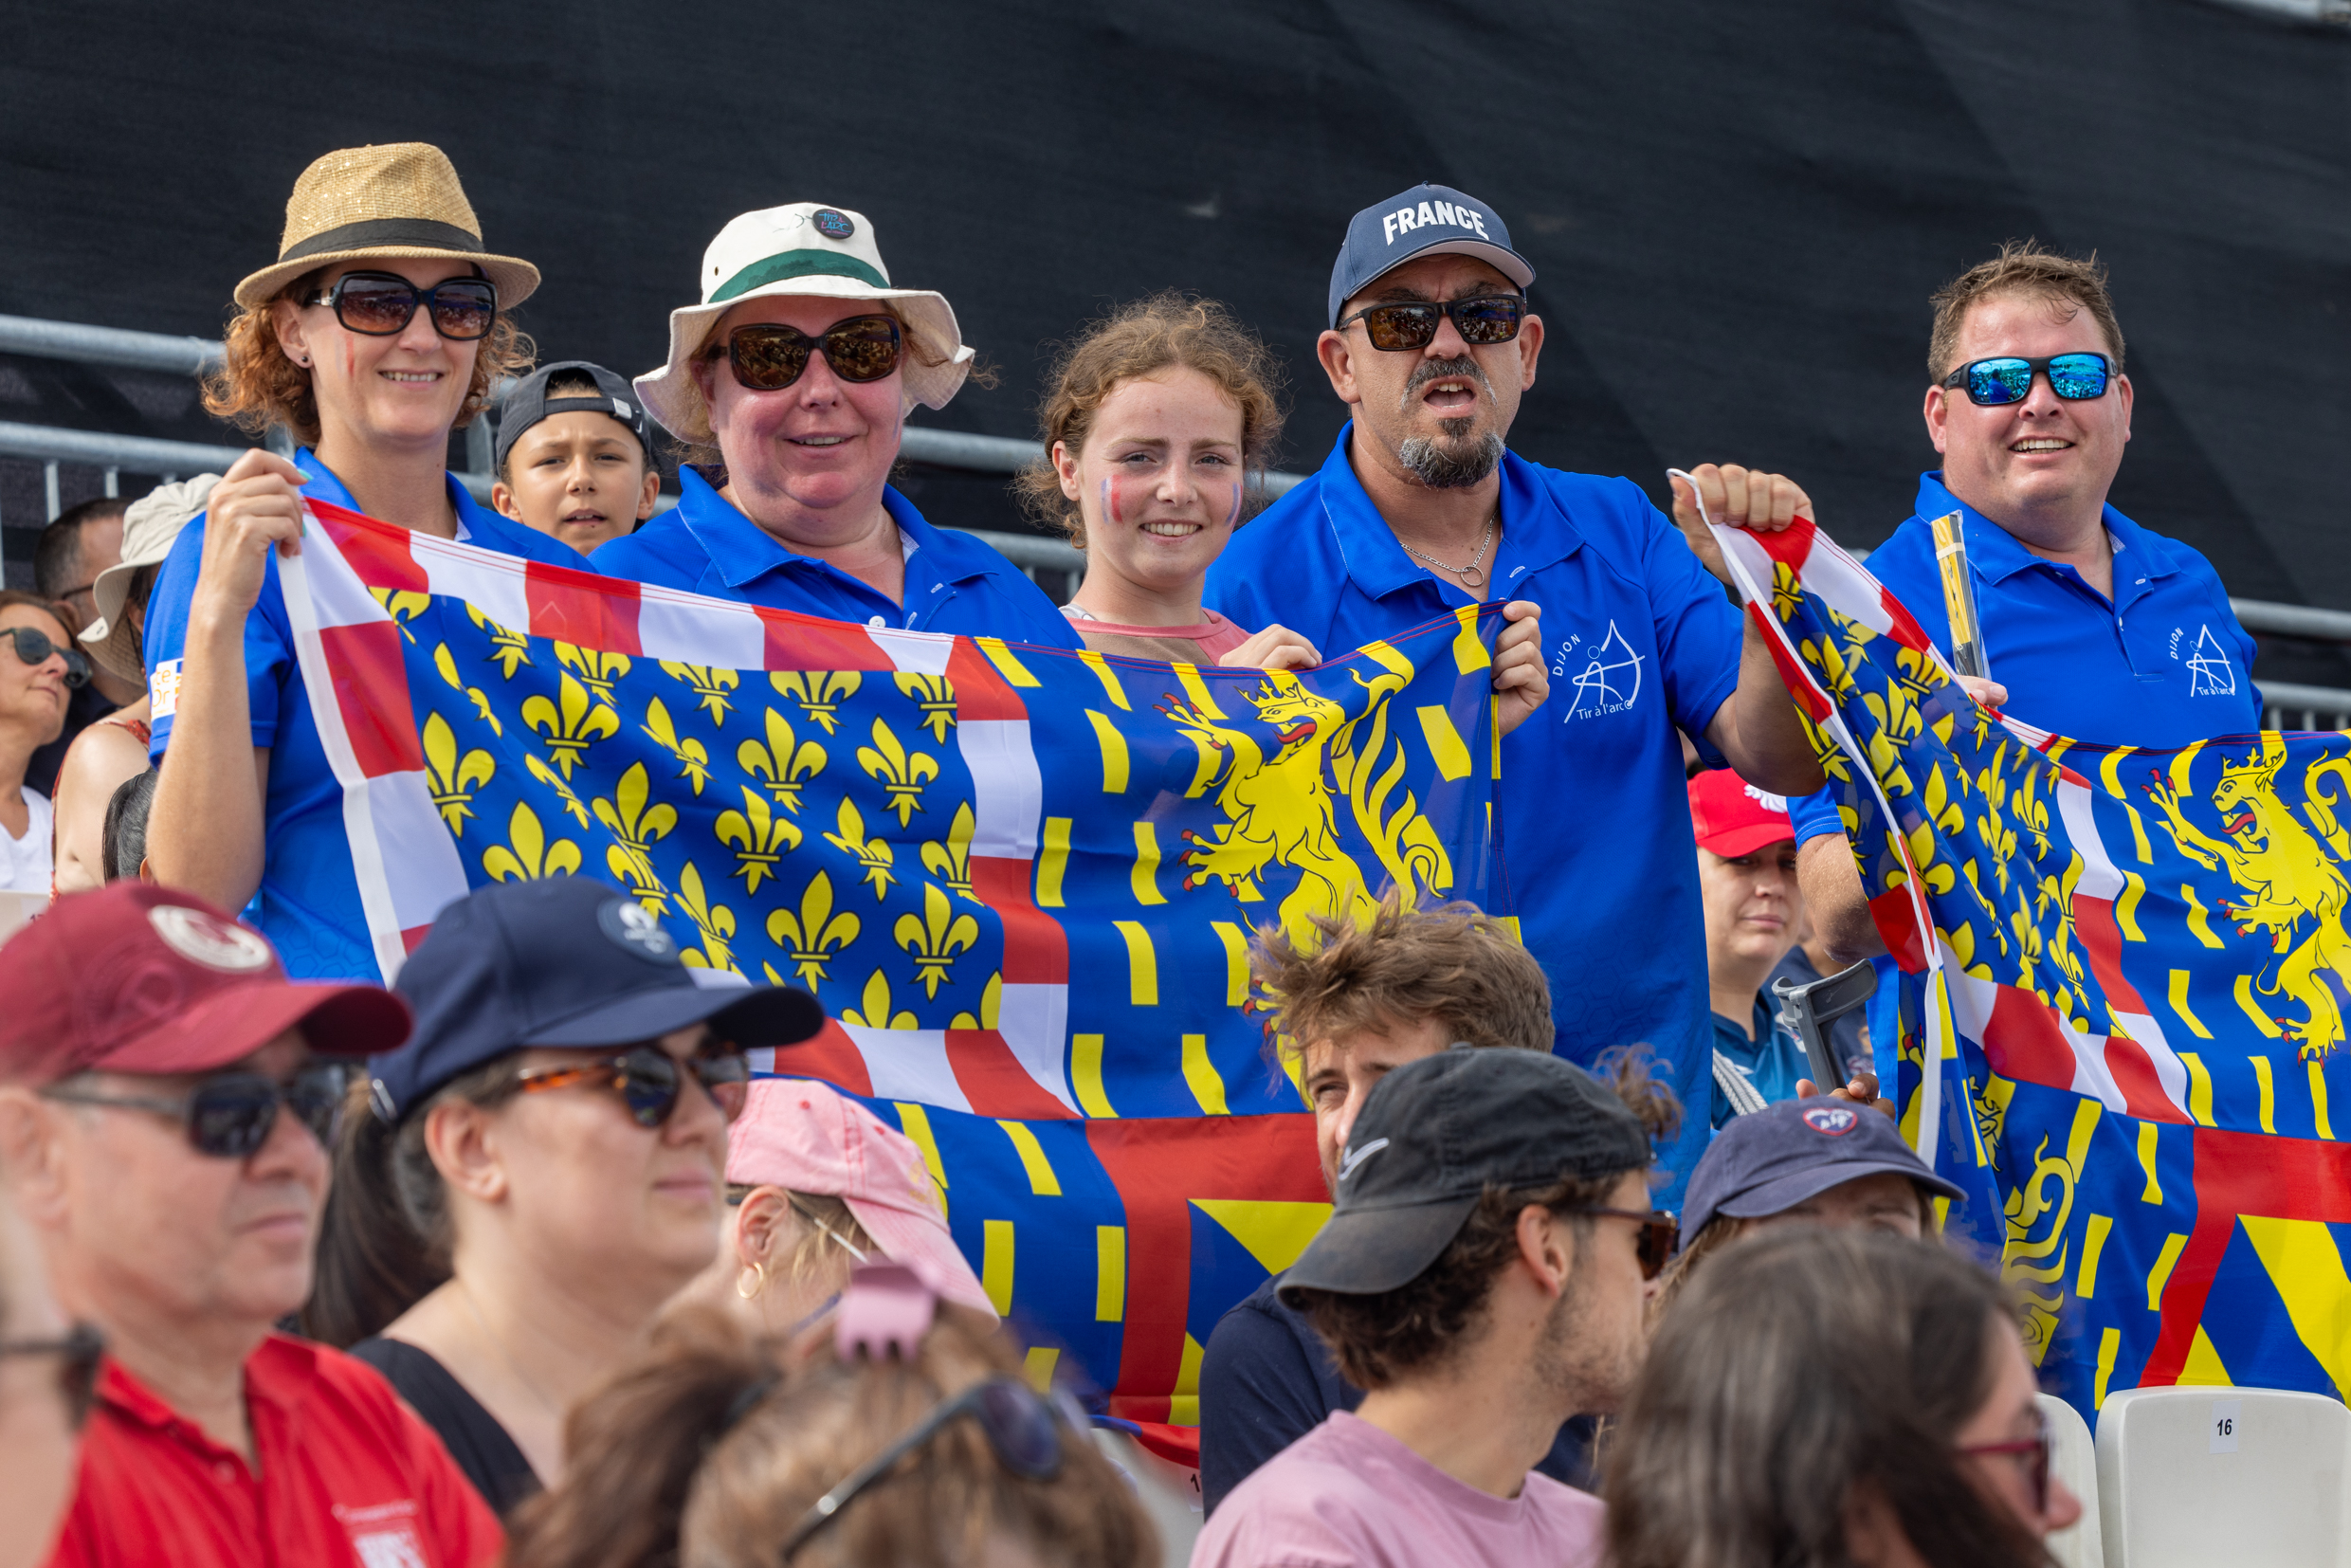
x: 380, y: 328
x: 800, y: 364
x: 115, y: 748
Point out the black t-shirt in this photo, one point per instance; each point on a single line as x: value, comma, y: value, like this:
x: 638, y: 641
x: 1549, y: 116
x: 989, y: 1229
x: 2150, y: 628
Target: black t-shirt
x: 472, y: 1435
x: 1266, y: 1379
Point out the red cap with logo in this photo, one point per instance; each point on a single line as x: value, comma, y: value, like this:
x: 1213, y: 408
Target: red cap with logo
x: 1732, y: 817
x: 137, y: 978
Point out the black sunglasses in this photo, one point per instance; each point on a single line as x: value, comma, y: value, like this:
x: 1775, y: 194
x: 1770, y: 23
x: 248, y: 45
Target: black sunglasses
x: 76, y: 1374
x: 1021, y: 1425
x: 1990, y: 383
x: 378, y: 304
x: 1654, y: 1243
x: 229, y: 1115
x: 769, y: 356
x: 1482, y: 322
x: 34, y: 648
x: 648, y: 1080
x: 2039, y: 1447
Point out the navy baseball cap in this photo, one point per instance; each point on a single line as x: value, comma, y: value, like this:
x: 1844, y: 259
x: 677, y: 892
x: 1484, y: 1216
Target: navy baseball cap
x: 1428, y: 220
x: 526, y: 403
x: 1774, y: 1159
x: 563, y: 961
x: 1434, y: 1133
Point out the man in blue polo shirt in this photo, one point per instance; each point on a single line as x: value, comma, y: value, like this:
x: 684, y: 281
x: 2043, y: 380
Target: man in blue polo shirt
x: 2097, y: 628
x: 1420, y: 508
x: 800, y: 364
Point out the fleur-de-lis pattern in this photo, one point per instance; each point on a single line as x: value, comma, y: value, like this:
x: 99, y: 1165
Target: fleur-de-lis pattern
x: 934, y: 937
x: 781, y: 760
x: 452, y: 779
x: 903, y: 774
x: 821, y: 827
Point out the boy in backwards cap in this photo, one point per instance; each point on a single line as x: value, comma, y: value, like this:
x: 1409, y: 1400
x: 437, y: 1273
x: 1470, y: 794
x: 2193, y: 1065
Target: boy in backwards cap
x: 574, y: 458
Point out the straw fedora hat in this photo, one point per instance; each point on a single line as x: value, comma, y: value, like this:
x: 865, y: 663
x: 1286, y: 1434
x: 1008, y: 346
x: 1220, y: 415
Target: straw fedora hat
x: 400, y: 200
x: 149, y: 526
x: 806, y: 248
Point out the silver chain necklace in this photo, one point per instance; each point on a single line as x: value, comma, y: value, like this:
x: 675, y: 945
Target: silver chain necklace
x: 1471, y: 576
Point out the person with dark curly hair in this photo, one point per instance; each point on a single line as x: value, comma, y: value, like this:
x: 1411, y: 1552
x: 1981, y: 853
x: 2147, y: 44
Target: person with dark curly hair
x: 1481, y: 1276
x: 381, y: 327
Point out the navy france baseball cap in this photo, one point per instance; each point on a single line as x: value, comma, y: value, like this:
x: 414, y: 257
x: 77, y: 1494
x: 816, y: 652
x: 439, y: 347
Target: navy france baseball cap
x: 563, y: 961
x: 1428, y: 220
x: 1770, y: 1161
x: 526, y: 403
x: 1434, y: 1133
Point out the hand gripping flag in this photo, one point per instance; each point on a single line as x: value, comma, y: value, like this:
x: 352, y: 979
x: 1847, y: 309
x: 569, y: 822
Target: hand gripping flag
x: 1023, y: 882
x: 2128, y: 969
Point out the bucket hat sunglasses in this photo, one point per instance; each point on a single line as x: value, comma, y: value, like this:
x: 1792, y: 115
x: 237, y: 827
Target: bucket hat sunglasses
x: 381, y: 305
x: 769, y: 355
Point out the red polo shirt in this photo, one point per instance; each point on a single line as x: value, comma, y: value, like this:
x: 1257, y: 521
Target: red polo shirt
x: 349, y: 1477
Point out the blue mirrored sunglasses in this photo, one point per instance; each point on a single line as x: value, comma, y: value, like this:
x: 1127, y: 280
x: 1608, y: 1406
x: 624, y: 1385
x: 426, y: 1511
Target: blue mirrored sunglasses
x: 1990, y: 383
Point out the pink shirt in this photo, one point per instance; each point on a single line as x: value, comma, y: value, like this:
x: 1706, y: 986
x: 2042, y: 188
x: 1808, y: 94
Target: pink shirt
x: 1348, y: 1495
x: 1204, y: 641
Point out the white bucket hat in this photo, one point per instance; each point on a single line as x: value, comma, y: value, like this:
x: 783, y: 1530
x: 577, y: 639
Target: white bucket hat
x: 149, y: 526
x: 806, y: 248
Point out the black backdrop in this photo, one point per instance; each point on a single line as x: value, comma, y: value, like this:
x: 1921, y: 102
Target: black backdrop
x: 1735, y: 211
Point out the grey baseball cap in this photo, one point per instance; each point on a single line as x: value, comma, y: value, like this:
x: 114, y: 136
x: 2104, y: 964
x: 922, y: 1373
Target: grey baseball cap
x: 526, y: 403
x: 1434, y: 1133
x: 1428, y: 220
x: 1774, y: 1159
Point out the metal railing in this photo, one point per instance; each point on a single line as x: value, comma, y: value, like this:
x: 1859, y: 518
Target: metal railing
x: 115, y: 455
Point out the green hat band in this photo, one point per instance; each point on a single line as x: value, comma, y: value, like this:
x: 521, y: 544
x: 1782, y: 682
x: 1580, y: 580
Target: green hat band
x: 796, y: 263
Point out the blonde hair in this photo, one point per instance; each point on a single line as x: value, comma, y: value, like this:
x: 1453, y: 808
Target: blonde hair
x: 1148, y: 336
x: 2067, y: 283
x: 257, y: 386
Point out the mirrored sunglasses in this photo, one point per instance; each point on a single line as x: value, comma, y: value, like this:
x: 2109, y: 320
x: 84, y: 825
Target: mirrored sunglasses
x: 230, y: 1114
x: 1991, y: 383
x: 769, y: 356
x: 1482, y: 322
x: 34, y: 648
x: 648, y: 1081
x: 378, y: 304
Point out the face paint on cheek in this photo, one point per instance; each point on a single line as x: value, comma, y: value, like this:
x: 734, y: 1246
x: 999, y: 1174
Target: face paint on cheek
x: 1110, y: 501
x: 1233, y: 516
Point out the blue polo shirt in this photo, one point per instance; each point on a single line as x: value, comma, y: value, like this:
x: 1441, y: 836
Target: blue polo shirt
x: 953, y: 582
x: 1596, y: 815
x: 308, y: 904
x: 2161, y: 664
x: 1769, y: 1058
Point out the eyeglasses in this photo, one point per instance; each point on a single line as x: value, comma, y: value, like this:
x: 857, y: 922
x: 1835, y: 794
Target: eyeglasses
x: 1022, y: 1425
x: 1992, y: 383
x: 648, y: 1081
x: 769, y: 356
x: 76, y: 1374
x: 1482, y: 322
x: 34, y: 648
x: 230, y: 1114
x: 2039, y: 1446
x: 1654, y: 1243
x: 378, y: 304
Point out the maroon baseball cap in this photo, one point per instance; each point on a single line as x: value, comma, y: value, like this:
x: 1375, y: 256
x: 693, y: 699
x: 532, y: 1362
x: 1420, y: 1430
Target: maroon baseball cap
x: 134, y: 977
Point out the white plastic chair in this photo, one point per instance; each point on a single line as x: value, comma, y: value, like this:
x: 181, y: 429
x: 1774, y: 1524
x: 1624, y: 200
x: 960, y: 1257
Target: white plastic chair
x: 2074, y: 1461
x: 2224, y: 1475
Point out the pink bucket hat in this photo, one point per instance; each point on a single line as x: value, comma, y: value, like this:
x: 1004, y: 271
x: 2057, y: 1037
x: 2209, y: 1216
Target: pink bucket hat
x: 809, y: 1138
